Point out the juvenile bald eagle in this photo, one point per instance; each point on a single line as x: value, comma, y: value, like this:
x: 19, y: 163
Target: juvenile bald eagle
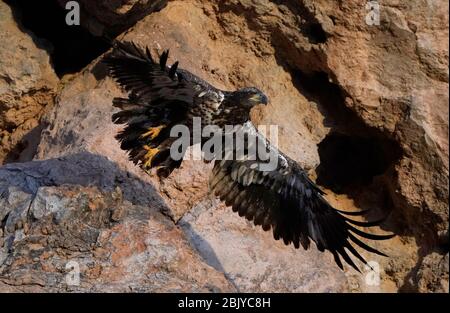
x: 283, y: 199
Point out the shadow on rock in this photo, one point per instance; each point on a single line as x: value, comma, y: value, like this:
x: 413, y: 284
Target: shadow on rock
x: 83, y: 169
x: 83, y: 209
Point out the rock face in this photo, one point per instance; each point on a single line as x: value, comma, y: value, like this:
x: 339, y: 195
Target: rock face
x: 251, y: 259
x: 397, y: 82
x: 62, y: 216
x: 103, y: 17
x: 27, y: 85
x: 433, y: 273
x: 337, y: 81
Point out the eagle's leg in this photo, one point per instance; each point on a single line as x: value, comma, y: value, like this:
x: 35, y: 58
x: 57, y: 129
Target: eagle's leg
x: 151, y: 152
x: 153, y: 132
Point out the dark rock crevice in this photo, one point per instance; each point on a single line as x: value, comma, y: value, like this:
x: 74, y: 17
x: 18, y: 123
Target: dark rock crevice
x: 352, y: 154
x: 309, y: 26
x: 71, y: 47
x: 111, y: 18
x: 352, y: 161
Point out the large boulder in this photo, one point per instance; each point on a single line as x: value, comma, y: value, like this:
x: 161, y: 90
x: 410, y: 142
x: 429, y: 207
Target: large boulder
x: 79, y: 223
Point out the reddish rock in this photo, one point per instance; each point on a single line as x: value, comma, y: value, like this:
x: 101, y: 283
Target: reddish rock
x: 27, y: 85
x: 52, y: 230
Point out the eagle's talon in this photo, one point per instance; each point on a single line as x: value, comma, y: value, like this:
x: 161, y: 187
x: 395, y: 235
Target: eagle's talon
x: 151, y: 152
x: 153, y: 132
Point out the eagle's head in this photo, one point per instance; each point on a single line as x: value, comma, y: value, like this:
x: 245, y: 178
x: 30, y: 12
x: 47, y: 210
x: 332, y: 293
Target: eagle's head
x: 250, y: 96
x: 237, y: 105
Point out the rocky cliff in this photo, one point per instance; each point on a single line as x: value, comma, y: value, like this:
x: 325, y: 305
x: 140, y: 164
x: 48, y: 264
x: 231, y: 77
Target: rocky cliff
x: 363, y: 106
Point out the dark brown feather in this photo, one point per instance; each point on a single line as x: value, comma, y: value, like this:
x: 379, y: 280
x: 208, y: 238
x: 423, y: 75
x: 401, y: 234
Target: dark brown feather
x: 287, y: 201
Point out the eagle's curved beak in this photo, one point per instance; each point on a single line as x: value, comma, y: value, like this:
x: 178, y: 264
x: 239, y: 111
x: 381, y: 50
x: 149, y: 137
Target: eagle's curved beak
x: 260, y: 98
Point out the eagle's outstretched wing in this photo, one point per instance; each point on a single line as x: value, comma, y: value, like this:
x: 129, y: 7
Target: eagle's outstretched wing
x: 288, y: 202
x: 159, y: 98
x: 283, y: 199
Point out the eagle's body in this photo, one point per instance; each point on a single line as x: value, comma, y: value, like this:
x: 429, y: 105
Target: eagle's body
x: 283, y: 199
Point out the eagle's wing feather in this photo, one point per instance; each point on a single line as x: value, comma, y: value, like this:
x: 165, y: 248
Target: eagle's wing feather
x: 288, y: 202
x: 146, y: 80
x: 159, y: 98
